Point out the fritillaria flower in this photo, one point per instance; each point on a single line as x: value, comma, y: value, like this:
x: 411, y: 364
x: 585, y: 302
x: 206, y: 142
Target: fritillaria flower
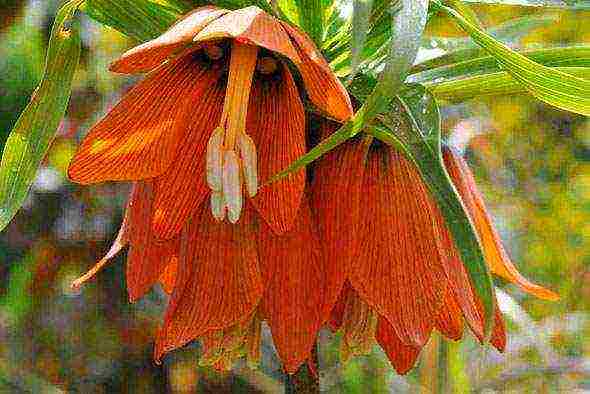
x: 218, y: 113
x: 401, y: 275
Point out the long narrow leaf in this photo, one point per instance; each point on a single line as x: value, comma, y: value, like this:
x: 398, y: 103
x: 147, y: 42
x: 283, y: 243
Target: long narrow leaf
x: 35, y: 129
x: 447, y: 67
x: 499, y: 83
x: 550, y: 85
x: 570, y: 5
x: 407, y: 29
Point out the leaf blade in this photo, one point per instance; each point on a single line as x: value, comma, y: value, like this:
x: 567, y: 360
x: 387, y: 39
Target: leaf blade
x: 34, y: 130
x: 550, y: 85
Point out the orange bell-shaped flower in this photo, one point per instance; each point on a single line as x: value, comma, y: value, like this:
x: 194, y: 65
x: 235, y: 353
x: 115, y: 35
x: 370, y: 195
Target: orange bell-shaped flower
x: 400, y: 276
x: 218, y: 114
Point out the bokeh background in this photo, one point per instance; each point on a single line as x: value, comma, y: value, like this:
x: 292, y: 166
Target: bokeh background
x: 531, y: 161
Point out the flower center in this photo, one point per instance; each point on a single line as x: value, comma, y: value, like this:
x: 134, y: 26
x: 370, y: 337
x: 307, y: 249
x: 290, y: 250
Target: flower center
x: 231, y: 153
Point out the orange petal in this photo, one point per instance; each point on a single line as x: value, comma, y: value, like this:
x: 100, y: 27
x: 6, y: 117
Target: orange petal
x: 118, y: 244
x: 459, y: 282
x: 276, y: 123
x: 295, y: 278
x: 183, y: 187
x: 323, y: 87
x: 219, y: 282
x: 149, y: 55
x: 252, y: 26
x: 449, y: 321
x: 398, y: 269
x: 139, y: 138
x: 499, y: 339
x: 496, y: 256
x: 402, y: 356
x: 335, y: 199
x: 148, y: 256
x: 168, y: 276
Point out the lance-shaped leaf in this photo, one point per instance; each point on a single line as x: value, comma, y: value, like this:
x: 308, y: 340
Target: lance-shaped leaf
x: 413, y: 126
x: 498, y: 83
x: 408, y: 24
x: 35, y: 129
x: 550, y: 85
x: 570, y: 5
x: 450, y: 66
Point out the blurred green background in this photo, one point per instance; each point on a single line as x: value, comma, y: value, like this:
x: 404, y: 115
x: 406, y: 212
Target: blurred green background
x: 531, y: 161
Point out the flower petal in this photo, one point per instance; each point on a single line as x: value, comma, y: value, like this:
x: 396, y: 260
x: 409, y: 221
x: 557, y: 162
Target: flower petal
x: 149, y: 55
x: 402, y: 356
x: 398, y: 269
x: 335, y: 199
x: 168, y: 276
x: 295, y: 277
x: 499, y: 339
x: 219, y: 283
x: 496, y: 256
x: 449, y: 321
x: 276, y: 123
x: 139, y: 138
x: 183, y: 187
x: 147, y: 255
x: 253, y: 26
x: 459, y: 282
x: 323, y: 87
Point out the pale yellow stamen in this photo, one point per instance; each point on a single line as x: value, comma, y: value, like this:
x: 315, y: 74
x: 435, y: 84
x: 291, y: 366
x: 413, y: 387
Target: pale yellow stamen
x: 218, y: 205
x: 222, y: 348
x: 215, y: 160
x: 248, y: 155
x: 231, y: 153
x: 359, y: 327
x: 232, y: 186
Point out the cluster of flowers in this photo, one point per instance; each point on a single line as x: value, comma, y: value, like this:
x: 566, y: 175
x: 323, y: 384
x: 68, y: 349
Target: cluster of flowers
x: 356, y: 243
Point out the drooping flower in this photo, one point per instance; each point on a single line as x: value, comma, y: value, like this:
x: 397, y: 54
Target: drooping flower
x: 218, y: 113
x: 402, y: 276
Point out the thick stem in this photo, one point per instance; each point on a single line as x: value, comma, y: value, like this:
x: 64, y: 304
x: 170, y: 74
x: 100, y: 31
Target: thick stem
x: 304, y: 381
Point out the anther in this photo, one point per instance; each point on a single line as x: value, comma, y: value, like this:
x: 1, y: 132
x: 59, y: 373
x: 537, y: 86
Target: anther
x: 215, y: 159
x: 232, y: 188
x: 248, y: 154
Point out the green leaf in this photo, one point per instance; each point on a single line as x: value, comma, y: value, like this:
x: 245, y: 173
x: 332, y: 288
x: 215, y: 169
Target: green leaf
x: 361, y: 12
x: 139, y: 19
x: 33, y: 132
x: 572, y: 5
x: 413, y: 126
x: 408, y: 26
x: 310, y: 15
x: 500, y: 83
x: 447, y: 67
x: 550, y: 85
